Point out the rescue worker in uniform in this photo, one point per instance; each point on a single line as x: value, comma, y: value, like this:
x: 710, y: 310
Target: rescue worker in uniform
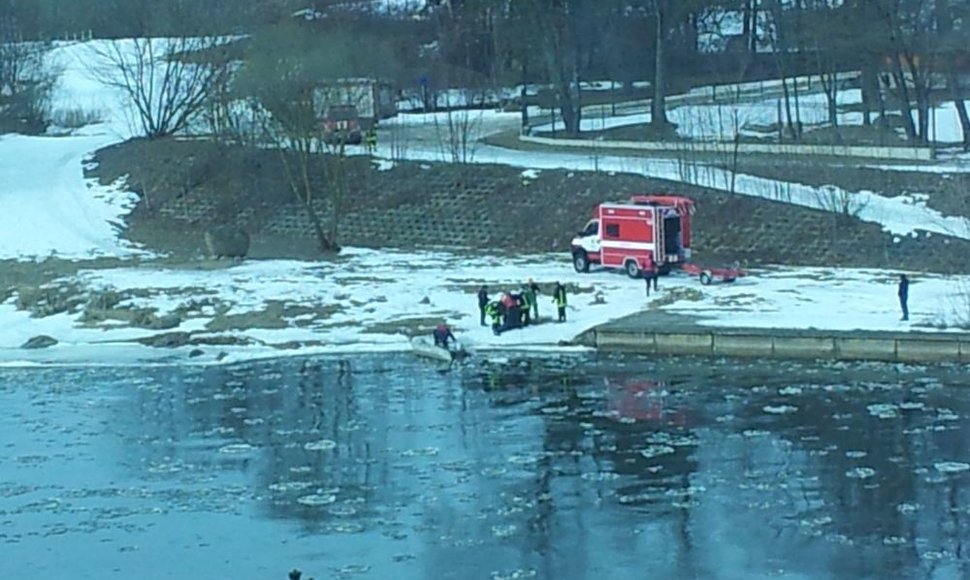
x: 482, y: 303
x: 535, y: 290
x: 442, y: 334
x: 370, y: 140
x: 528, y: 304
x: 559, y: 297
x: 494, y: 312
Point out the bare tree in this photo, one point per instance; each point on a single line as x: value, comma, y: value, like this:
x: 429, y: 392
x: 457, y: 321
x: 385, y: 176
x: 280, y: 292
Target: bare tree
x: 26, y: 80
x: 294, y: 73
x: 567, y: 35
x: 909, y: 27
x: 166, y: 81
x: 954, y: 40
x: 782, y: 28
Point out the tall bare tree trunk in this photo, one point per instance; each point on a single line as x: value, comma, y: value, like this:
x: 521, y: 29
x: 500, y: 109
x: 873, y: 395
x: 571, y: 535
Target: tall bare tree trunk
x: 658, y: 106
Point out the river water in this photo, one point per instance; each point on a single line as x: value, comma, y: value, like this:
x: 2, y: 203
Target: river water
x: 558, y: 467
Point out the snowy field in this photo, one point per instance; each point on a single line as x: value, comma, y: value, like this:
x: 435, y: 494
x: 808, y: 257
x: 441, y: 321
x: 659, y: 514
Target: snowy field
x: 51, y: 210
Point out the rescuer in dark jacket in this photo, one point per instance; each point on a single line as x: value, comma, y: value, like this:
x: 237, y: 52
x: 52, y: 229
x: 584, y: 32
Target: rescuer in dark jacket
x: 442, y: 334
x: 482, y: 303
x: 650, y: 273
x: 903, y: 293
x: 559, y: 297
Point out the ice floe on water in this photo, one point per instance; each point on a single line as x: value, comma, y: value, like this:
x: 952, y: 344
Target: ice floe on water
x: 656, y: 451
x: 237, y: 448
x: 951, y: 466
x: 908, y: 508
x: 520, y: 574
x: 860, y: 473
x: 317, y: 499
x: 779, y: 409
x: 883, y: 410
x: 321, y: 445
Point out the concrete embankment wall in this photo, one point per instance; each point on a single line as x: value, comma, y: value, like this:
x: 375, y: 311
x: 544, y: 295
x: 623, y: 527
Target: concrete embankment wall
x: 911, y: 347
x: 721, y: 148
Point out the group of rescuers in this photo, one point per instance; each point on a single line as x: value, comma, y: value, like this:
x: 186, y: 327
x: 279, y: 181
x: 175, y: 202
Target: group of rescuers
x: 517, y: 309
x: 511, y: 310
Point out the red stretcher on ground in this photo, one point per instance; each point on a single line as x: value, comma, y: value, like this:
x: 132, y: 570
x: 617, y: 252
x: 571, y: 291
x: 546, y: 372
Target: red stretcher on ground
x: 708, y: 274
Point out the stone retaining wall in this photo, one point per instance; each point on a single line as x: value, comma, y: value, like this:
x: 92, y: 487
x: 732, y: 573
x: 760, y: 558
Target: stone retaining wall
x: 914, y: 347
x: 721, y: 148
x: 496, y: 208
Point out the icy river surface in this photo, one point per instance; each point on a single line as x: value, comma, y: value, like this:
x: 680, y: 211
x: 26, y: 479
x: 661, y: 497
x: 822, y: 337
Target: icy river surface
x: 552, y: 467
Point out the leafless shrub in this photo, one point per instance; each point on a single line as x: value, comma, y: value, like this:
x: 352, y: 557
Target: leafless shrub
x: 840, y: 202
x: 457, y: 131
x: 76, y: 117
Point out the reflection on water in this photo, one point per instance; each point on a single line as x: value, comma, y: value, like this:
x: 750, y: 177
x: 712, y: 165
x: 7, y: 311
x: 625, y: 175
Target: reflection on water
x: 561, y: 467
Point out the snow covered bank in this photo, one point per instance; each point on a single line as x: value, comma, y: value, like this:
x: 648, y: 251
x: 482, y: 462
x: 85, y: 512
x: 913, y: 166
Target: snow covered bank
x: 373, y: 301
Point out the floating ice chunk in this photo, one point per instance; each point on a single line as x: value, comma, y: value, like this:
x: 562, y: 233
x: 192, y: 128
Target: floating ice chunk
x: 860, y: 473
x: 779, y: 409
x: 321, y: 445
x: 912, y: 406
x: 883, y: 410
x: 519, y: 574
x: 426, y: 452
x: 790, y: 391
x: 656, y: 451
x: 503, y: 530
x: 524, y: 459
x: 315, y: 499
x: 907, y: 508
x: 855, y: 454
x: 493, y: 471
x: 236, y: 448
x: 951, y: 466
x: 599, y: 476
x: 946, y: 415
x: 343, y: 511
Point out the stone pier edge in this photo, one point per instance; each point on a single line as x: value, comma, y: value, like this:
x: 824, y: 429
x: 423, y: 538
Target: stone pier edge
x: 906, y: 347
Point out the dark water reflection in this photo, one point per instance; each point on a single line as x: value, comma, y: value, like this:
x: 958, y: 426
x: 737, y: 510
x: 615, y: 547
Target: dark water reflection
x: 555, y: 467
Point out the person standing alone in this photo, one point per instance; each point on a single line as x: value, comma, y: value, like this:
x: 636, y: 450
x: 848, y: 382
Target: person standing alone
x: 903, y: 293
x: 559, y: 297
x: 482, y: 303
x: 650, y: 273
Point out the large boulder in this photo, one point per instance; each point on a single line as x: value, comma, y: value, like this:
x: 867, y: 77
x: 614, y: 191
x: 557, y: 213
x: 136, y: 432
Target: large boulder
x: 39, y: 341
x: 227, y: 242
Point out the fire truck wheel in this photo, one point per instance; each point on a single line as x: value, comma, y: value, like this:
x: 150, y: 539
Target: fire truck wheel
x: 581, y: 262
x: 706, y: 277
x: 632, y: 268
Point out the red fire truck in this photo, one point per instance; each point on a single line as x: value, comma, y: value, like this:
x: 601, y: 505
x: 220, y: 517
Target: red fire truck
x: 623, y: 235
